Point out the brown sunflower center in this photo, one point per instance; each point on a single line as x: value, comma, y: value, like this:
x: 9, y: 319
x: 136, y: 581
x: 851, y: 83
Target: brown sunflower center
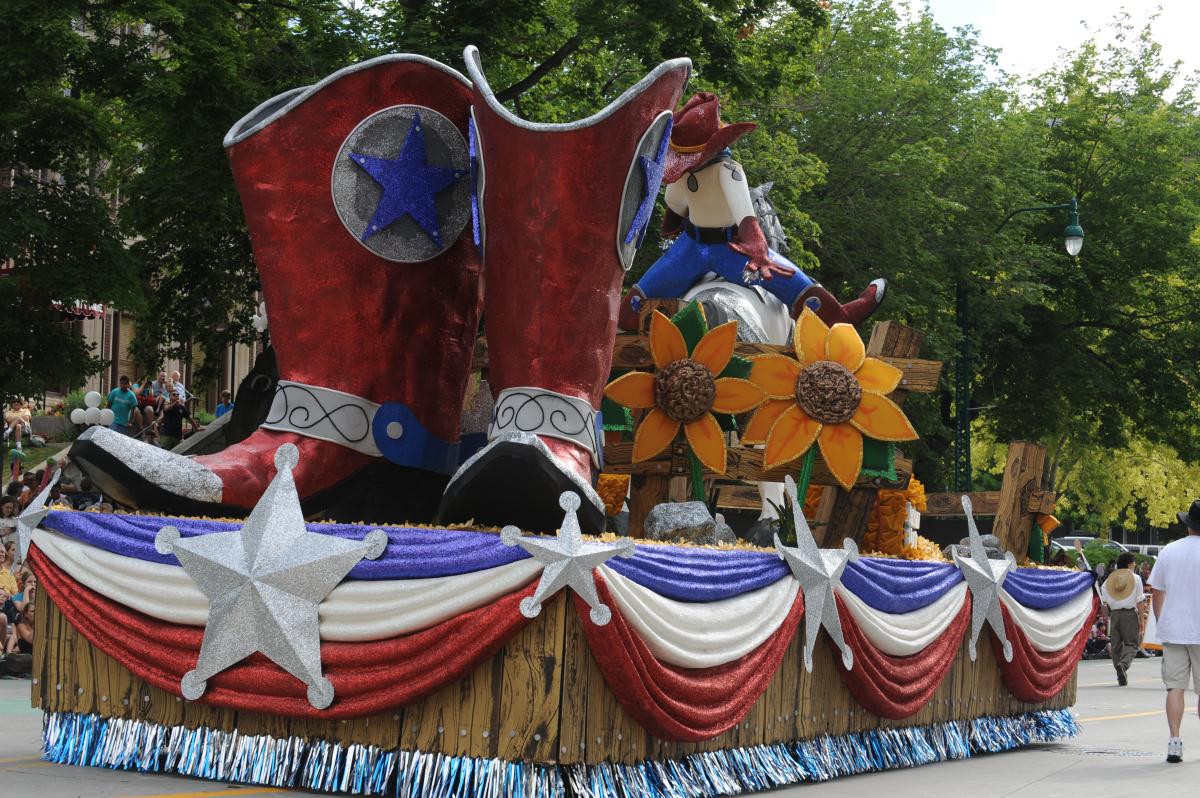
x: 684, y: 390
x: 828, y: 392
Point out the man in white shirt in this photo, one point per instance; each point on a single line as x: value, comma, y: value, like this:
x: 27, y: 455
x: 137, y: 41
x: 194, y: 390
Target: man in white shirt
x: 1122, y: 595
x: 1176, y: 583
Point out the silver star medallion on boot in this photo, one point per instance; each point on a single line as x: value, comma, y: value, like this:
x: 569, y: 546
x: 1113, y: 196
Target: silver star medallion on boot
x: 34, y: 514
x: 819, y: 572
x: 264, y: 583
x: 569, y: 561
x: 984, y: 578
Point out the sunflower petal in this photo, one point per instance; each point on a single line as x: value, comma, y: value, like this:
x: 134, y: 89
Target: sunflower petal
x: 842, y: 448
x: 790, y: 437
x: 775, y: 374
x: 764, y: 418
x: 716, y: 347
x: 634, y: 390
x: 654, y: 434
x: 845, y: 346
x: 878, y: 377
x: 810, y: 336
x: 737, y: 396
x: 708, y: 442
x: 882, y: 419
x: 666, y: 341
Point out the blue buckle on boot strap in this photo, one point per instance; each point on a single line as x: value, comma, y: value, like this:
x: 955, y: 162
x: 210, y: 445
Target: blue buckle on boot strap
x: 402, y: 439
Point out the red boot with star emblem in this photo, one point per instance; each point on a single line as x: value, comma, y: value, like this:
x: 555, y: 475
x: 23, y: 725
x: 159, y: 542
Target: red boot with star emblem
x: 564, y: 207
x: 358, y: 204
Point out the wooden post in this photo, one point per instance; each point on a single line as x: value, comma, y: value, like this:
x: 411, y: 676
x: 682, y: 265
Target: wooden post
x: 851, y: 510
x: 645, y: 491
x: 1022, y: 478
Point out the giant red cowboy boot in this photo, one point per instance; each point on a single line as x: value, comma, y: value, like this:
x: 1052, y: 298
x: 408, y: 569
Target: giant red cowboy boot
x: 357, y: 198
x: 564, y: 207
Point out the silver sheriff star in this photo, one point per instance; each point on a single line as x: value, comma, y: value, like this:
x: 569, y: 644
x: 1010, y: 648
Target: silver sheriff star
x: 34, y: 514
x: 984, y: 578
x: 818, y: 571
x: 569, y: 561
x: 264, y: 583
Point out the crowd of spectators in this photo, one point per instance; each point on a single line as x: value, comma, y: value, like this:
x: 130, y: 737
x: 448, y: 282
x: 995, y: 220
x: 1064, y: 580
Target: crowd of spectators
x: 155, y: 410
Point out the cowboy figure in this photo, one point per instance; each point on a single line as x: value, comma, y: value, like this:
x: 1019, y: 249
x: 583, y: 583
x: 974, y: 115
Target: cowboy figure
x: 708, y: 199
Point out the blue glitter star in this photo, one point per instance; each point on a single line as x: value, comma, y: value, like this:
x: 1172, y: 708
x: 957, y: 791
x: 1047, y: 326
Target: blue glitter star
x: 652, y: 171
x: 410, y: 185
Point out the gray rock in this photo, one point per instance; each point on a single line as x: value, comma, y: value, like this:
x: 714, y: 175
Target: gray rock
x: 724, y: 532
x: 687, y: 521
x: 762, y: 533
x: 992, y: 552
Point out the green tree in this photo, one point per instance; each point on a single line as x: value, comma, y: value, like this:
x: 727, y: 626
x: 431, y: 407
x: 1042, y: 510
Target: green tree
x: 60, y: 123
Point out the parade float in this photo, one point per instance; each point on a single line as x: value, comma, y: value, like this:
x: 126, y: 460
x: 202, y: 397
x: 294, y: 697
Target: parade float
x: 471, y: 632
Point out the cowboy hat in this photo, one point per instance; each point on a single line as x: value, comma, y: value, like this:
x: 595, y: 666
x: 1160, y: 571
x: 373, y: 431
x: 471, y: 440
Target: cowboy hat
x: 1120, y: 584
x: 698, y: 135
x: 1191, y: 519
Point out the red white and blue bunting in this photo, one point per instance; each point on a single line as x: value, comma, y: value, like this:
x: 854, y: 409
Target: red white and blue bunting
x: 695, y: 636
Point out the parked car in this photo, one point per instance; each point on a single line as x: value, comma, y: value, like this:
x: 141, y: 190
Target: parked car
x: 1148, y: 549
x: 1085, y: 541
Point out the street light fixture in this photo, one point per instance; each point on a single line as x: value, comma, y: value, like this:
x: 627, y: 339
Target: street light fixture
x: 1073, y: 241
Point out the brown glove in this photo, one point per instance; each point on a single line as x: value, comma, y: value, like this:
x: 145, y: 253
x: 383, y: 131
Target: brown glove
x: 672, y: 223
x: 751, y: 243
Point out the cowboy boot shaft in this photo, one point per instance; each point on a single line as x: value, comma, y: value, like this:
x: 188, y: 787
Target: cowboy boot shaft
x: 341, y: 316
x: 553, y: 203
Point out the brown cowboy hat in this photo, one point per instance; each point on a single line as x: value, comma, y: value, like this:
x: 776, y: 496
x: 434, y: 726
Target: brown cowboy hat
x: 698, y: 134
x: 1120, y: 584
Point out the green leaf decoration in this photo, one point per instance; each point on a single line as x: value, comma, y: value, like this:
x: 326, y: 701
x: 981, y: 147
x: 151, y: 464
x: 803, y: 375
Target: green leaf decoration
x: 738, y: 367
x: 616, y: 417
x: 879, y: 459
x: 691, y: 322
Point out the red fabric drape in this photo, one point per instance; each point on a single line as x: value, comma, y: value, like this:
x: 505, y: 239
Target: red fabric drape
x: 1033, y: 675
x: 676, y: 703
x: 896, y: 687
x: 368, y: 678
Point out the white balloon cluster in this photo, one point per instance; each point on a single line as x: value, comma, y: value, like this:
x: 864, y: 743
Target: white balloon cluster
x: 259, y: 320
x: 93, y: 415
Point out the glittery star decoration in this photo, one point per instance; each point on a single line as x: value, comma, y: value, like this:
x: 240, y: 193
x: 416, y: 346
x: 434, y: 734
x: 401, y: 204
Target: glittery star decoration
x: 652, y: 172
x: 264, y: 583
x: 410, y: 185
x: 819, y: 572
x: 984, y: 578
x: 34, y: 514
x: 569, y: 561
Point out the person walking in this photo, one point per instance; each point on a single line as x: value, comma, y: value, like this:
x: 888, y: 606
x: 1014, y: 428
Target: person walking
x: 1176, y: 598
x: 1121, y: 593
x: 122, y: 401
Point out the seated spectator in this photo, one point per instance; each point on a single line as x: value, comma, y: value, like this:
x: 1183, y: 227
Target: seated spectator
x: 17, y: 422
x: 177, y: 383
x: 160, y: 384
x: 147, y: 408
x: 225, y: 405
x: 122, y: 401
x: 8, y: 516
x: 27, y: 587
x: 22, y: 641
x: 86, y: 496
x: 171, y: 425
x: 8, y: 577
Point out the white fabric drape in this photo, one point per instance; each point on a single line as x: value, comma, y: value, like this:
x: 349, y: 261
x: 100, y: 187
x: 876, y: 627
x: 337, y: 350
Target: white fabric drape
x: 354, y: 611
x: 702, y: 635
x: 904, y: 634
x: 1050, y: 630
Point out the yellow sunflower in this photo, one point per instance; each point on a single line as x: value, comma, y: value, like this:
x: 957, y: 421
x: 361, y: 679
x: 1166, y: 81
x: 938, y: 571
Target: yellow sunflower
x: 834, y: 396
x: 685, y: 392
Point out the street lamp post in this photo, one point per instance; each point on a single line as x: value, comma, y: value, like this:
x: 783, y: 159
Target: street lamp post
x: 1073, y: 241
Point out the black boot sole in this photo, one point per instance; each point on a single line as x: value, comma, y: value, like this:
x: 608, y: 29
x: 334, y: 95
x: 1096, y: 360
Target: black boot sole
x: 381, y: 493
x: 513, y: 483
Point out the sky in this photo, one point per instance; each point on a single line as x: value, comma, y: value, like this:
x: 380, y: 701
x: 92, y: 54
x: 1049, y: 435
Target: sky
x: 1029, y: 33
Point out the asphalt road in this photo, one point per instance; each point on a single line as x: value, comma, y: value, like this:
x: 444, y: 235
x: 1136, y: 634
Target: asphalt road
x: 1120, y: 753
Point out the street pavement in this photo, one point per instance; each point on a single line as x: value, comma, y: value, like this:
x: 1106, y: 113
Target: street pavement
x: 1121, y: 752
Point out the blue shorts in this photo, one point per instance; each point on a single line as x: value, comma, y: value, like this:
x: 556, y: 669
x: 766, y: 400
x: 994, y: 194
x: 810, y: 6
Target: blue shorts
x: 121, y: 428
x: 688, y: 260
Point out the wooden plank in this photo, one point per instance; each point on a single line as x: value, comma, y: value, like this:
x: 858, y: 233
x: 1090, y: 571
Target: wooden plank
x: 985, y: 503
x: 646, y: 490
x: 528, y: 680
x: 1022, y: 476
